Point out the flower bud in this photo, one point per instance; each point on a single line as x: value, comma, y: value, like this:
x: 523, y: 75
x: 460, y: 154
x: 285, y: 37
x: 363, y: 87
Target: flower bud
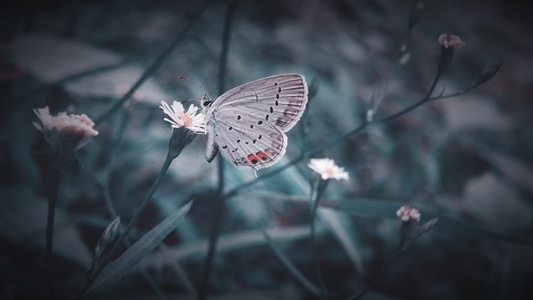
x: 415, y: 15
x: 108, y: 238
x: 448, y: 43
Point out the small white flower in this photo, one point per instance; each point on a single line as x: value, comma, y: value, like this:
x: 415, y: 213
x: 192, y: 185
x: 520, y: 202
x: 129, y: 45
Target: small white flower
x: 327, y: 169
x: 76, y: 129
x: 450, y: 41
x: 190, y: 119
x: 407, y: 213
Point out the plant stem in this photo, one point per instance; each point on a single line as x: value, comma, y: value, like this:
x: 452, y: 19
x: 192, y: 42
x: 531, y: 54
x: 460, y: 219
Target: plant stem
x: 316, y: 194
x: 95, y: 272
x: 289, y: 264
x: 378, y: 278
x: 337, y: 140
x: 156, y: 64
x: 219, y: 208
x: 213, y: 238
x: 53, y: 191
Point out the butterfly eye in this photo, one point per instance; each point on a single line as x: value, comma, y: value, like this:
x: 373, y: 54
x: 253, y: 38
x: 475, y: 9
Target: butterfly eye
x: 207, y: 103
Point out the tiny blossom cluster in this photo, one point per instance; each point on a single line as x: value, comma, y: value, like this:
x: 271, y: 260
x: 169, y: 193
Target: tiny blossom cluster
x: 327, y: 169
x: 190, y: 119
x: 450, y: 41
x: 77, y: 129
x: 407, y: 213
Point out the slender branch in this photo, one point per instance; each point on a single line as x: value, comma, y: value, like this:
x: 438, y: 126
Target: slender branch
x: 378, y: 278
x: 424, y: 99
x: 289, y: 265
x: 156, y: 64
x: 456, y: 94
x: 219, y: 208
x: 210, y: 256
x: 316, y: 194
x: 96, y: 270
x: 364, y: 124
x: 53, y: 191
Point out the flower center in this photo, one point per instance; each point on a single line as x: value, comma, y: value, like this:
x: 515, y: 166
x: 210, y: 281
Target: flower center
x: 329, y: 172
x: 187, y: 120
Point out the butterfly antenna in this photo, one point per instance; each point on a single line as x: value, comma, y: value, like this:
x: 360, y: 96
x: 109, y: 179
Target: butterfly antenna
x: 195, y: 84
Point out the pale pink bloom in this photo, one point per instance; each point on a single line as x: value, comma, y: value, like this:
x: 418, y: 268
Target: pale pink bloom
x: 407, y: 213
x: 77, y: 129
x: 190, y: 119
x: 450, y: 41
x: 327, y: 169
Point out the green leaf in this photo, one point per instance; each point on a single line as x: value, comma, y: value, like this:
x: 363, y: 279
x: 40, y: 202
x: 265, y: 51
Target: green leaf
x: 121, y: 266
x: 445, y: 225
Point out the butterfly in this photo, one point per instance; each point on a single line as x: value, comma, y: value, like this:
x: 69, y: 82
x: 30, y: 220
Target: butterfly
x: 248, y: 123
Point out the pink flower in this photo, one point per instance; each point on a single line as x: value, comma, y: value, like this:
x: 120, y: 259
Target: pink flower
x: 189, y: 119
x: 327, y: 169
x: 76, y: 130
x: 407, y: 213
x: 450, y: 41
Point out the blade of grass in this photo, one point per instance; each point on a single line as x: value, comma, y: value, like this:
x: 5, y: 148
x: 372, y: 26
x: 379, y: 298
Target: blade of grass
x: 121, y: 266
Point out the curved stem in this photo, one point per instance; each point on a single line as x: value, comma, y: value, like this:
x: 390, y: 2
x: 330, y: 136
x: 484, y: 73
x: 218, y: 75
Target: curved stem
x: 337, y: 140
x: 155, y: 65
x: 53, y: 190
x: 95, y: 271
x: 219, y: 208
x: 289, y: 264
x: 316, y: 194
x: 378, y: 278
x: 210, y: 256
x: 424, y: 99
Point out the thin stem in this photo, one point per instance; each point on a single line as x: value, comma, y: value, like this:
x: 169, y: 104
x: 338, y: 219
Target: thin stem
x: 245, y: 185
x: 289, y: 265
x: 378, y: 278
x: 464, y: 91
x: 180, y: 272
x: 336, y: 140
x: 145, y: 201
x: 156, y: 64
x: 213, y: 239
x: 53, y: 191
x: 222, y: 72
x: 219, y: 208
x: 316, y: 194
x: 95, y: 272
x: 424, y: 99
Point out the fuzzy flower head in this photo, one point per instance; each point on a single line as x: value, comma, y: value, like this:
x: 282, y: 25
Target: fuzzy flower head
x: 450, y: 41
x: 190, y: 119
x: 406, y: 214
x: 64, y: 130
x: 327, y: 169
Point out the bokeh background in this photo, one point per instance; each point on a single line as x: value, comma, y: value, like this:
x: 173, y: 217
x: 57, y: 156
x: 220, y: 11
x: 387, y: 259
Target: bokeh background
x: 468, y: 158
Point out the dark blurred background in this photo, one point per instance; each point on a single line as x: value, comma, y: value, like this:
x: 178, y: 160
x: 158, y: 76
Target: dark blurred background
x: 468, y: 156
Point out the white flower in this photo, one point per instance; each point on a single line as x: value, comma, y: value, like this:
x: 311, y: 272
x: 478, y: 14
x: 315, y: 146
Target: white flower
x: 450, y: 41
x: 407, y: 213
x: 75, y: 129
x: 327, y: 169
x: 189, y: 119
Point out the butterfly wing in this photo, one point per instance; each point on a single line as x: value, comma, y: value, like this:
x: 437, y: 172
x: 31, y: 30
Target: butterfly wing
x: 281, y: 99
x: 247, y: 123
x: 257, y: 147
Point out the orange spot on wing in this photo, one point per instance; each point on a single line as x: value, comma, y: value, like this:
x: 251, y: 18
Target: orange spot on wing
x: 254, y: 159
